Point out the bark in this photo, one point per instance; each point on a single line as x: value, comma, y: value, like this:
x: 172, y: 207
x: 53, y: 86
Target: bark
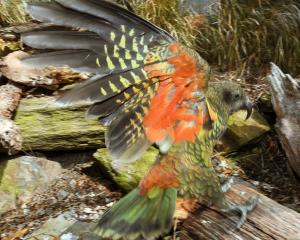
x: 285, y: 93
x: 14, y: 69
x: 10, y: 96
x: 46, y: 126
x: 269, y: 220
x: 10, y: 136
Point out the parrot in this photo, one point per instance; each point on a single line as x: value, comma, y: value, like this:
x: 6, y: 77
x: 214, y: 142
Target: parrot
x: 147, y: 89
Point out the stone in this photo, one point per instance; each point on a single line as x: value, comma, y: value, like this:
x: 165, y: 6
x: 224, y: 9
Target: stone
x: 55, y: 227
x: 241, y: 132
x: 65, y: 227
x: 22, y: 177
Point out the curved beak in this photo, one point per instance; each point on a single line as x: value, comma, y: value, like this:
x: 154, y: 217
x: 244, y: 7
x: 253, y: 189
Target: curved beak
x: 248, y: 106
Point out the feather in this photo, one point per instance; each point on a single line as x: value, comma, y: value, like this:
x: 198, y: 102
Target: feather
x: 55, y: 13
x: 114, y: 14
x: 109, y: 106
x: 63, y: 40
x: 83, y: 60
x: 100, y: 88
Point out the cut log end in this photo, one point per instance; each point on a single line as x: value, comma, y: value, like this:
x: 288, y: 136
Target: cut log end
x: 10, y: 136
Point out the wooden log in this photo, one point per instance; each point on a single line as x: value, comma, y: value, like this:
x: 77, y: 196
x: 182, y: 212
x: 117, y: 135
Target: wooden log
x: 10, y: 136
x: 47, y: 126
x: 269, y: 220
x: 14, y: 69
x: 285, y: 92
x: 10, y: 96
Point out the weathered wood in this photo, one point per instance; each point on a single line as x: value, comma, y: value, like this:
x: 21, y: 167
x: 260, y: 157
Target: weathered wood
x: 10, y: 96
x: 14, y: 69
x: 13, y: 32
x: 285, y: 93
x: 10, y: 137
x: 269, y: 220
x: 47, y: 126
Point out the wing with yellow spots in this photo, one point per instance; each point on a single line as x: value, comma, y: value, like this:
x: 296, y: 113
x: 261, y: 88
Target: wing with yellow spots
x: 146, y: 87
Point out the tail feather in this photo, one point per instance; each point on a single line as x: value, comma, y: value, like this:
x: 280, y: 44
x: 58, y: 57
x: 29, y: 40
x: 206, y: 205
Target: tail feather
x: 139, y: 216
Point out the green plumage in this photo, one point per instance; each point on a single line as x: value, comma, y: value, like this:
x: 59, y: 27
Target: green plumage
x: 139, y: 216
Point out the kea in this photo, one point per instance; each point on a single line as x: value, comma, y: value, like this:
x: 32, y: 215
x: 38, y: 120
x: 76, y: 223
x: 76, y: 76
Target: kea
x: 147, y: 88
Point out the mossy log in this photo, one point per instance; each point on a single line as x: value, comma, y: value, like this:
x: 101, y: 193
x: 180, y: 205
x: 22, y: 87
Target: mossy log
x: 269, y: 220
x: 47, y: 126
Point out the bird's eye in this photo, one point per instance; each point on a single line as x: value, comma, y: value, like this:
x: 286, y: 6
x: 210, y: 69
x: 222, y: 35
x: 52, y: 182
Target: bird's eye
x: 236, y: 95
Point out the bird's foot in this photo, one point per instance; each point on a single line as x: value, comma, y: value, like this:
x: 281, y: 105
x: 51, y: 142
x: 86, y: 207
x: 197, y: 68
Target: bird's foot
x: 243, y: 210
x: 228, y: 183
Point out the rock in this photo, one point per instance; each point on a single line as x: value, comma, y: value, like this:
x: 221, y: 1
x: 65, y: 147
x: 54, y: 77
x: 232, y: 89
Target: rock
x: 62, y: 194
x: 127, y: 178
x: 68, y: 236
x: 22, y: 177
x: 47, y: 126
x: 241, y: 132
x: 55, y: 227
x: 65, y: 227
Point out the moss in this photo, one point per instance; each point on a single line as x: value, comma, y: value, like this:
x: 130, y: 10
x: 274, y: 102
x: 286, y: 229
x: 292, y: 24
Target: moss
x: 47, y: 126
x: 7, y: 180
x: 129, y: 177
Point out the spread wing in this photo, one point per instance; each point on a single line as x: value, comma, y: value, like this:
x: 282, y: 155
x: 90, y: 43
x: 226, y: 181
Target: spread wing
x: 145, y: 87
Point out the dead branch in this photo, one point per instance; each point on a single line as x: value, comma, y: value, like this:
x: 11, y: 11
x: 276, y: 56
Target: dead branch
x: 285, y: 93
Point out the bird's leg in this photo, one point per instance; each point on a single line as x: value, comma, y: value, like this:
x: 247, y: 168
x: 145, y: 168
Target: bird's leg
x: 243, y: 209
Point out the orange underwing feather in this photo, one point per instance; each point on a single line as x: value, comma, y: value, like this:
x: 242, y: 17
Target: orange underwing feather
x: 168, y: 114
x: 162, y: 175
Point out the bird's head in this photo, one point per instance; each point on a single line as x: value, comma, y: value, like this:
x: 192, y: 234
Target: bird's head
x: 229, y: 97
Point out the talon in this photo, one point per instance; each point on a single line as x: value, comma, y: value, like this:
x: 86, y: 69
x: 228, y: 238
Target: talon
x: 228, y: 184
x: 243, y: 209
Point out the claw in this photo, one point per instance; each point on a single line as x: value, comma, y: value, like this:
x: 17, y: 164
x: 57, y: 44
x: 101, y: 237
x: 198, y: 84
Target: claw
x: 228, y: 183
x: 243, y: 209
